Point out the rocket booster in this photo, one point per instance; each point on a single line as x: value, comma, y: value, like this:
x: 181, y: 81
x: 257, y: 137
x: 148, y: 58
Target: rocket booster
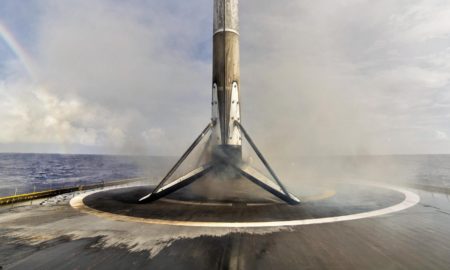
x: 225, y: 158
x: 226, y: 74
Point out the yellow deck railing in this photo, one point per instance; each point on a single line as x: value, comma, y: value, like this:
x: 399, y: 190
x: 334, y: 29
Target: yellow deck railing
x: 54, y: 192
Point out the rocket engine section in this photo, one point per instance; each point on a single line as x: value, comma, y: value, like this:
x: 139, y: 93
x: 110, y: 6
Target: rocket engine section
x: 226, y: 78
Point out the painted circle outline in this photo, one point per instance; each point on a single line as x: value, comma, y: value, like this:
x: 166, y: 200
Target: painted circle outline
x: 411, y: 199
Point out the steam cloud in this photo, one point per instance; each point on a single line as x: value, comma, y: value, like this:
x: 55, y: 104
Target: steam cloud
x: 319, y: 78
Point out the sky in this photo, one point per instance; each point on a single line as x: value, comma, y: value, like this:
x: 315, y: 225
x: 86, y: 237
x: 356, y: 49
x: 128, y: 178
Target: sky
x: 350, y: 77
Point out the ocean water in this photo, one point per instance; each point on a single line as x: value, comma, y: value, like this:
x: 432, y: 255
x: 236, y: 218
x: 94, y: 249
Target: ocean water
x: 24, y: 173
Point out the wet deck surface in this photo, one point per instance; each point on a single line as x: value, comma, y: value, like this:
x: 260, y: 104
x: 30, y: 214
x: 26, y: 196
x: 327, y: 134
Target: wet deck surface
x: 345, y: 201
x: 59, y: 237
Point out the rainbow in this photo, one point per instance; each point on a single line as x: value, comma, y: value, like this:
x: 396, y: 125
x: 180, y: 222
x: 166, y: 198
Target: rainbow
x: 20, y: 52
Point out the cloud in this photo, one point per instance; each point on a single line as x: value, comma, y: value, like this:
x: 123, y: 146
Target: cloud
x: 353, y: 77
x: 120, y: 66
x: 440, y: 135
x: 32, y: 114
x: 348, y: 77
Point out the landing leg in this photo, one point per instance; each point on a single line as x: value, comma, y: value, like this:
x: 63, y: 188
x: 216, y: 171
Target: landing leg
x: 253, y: 175
x: 184, y: 181
x: 224, y: 158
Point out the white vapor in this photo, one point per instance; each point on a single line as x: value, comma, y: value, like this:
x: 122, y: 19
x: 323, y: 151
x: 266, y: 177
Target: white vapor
x: 318, y: 77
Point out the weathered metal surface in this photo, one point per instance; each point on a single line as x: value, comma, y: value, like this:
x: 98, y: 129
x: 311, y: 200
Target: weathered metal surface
x: 226, y: 72
x: 216, y: 133
x: 235, y: 116
x: 226, y: 16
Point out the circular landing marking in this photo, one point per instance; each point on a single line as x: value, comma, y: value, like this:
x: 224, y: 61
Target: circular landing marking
x: 410, y: 200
